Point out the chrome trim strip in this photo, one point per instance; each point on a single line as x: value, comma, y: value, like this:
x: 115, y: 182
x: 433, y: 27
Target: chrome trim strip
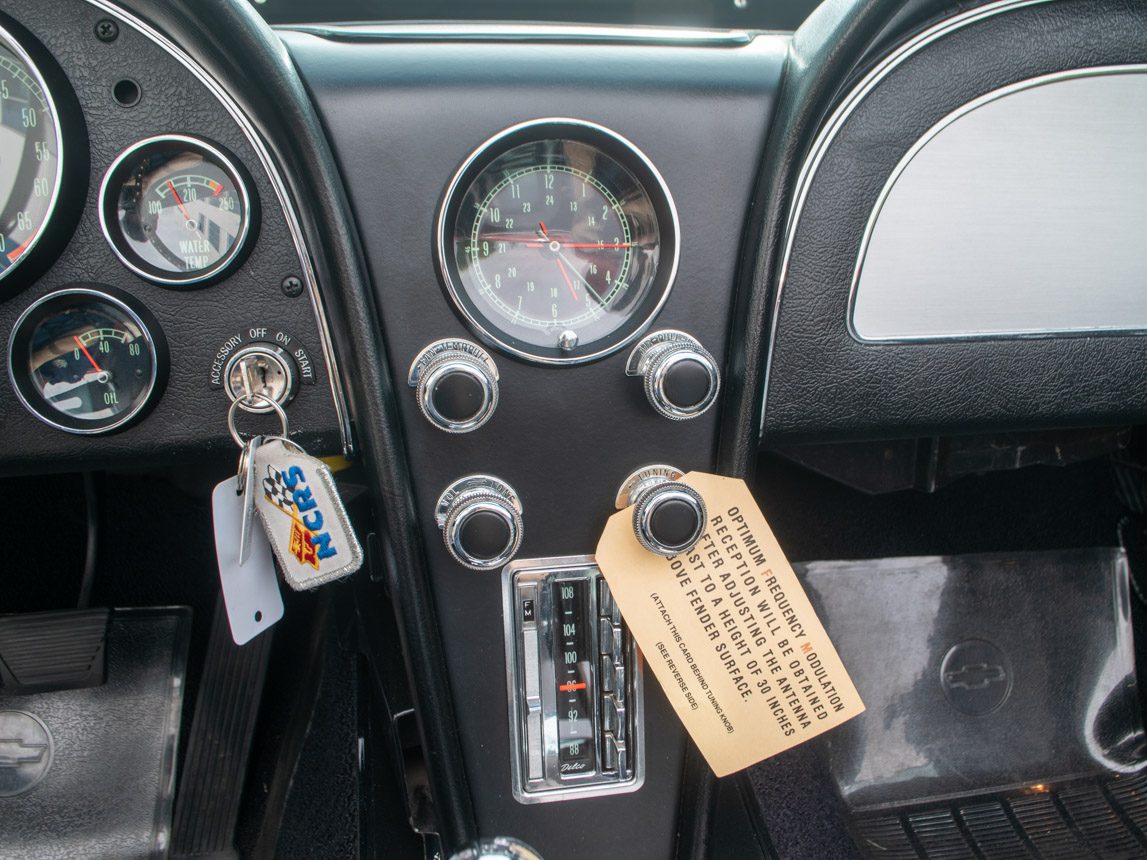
x: 442, y: 240
x: 277, y: 183
x: 917, y: 147
x: 493, y: 31
x: 13, y: 44
x: 228, y: 167
x: 111, y: 300
x: 832, y: 127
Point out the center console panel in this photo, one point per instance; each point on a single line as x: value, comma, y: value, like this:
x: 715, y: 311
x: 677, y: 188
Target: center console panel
x: 561, y: 438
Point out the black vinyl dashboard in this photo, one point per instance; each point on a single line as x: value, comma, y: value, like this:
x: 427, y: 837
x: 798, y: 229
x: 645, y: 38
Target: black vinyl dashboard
x: 201, y: 322
x: 354, y: 216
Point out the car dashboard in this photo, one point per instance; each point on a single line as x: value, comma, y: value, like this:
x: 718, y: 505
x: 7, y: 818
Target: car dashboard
x: 501, y: 274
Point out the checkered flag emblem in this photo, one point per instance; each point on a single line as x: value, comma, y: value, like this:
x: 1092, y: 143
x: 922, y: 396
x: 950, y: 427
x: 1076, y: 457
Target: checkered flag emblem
x: 276, y: 490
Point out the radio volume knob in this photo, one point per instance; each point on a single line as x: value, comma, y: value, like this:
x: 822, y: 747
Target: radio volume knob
x: 681, y: 377
x: 669, y: 516
x: 456, y: 385
x: 481, y: 521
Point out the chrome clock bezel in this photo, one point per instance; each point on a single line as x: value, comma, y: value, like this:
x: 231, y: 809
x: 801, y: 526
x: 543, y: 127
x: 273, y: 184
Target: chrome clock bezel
x: 629, y: 156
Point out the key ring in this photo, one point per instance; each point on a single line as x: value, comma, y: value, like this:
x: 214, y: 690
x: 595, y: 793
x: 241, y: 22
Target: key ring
x: 282, y: 413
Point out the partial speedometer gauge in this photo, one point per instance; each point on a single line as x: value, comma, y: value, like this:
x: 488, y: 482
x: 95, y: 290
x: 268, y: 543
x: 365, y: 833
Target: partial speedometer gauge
x: 87, y: 360
x: 31, y: 154
x: 557, y: 241
x: 176, y: 210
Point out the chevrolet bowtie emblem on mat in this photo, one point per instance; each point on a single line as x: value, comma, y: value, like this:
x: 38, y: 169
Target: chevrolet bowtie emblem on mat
x: 25, y: 752
x: 15, y: 752
x: 977, y: 676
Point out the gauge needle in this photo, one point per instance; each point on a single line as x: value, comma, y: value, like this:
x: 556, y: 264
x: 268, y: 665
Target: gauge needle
x: 80, y: 344
x: 179, y: 200
x: 558, y: 260
x: 14, y: 254
x: 581, y: 277
x: 534, y: 242
x: 565, y: 274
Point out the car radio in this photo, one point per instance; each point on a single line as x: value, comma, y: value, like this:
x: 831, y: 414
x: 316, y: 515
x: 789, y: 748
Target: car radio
x: 574, y: 676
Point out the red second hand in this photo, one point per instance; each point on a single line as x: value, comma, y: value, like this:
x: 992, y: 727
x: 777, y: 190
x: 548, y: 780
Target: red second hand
x: 599, y: 245
x: 565, y: 274
x: 532, y: 242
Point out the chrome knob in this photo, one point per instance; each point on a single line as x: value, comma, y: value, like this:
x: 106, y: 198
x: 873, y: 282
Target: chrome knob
x: 668, y: 516
x: 481, y: 521
x: 498, y: 848
x: 456, y: 385
x: 681, y: 377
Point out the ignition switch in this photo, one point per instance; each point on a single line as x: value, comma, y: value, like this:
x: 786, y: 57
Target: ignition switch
x: 261, y: 360
x: 260, y: 369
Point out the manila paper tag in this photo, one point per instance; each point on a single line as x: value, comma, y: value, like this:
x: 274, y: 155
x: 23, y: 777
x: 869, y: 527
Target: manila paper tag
x: 729, y: 633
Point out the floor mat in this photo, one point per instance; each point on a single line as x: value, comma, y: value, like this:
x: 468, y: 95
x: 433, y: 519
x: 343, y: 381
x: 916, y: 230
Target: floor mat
x: 90, y: 773
x: 1002, y: 711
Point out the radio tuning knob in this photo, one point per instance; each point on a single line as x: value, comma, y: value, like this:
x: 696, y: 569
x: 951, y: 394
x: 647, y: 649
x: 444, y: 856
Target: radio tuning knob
x: 456, y: 385
x: 668, y: 516
x: 681, y: 377
x: 481, y: 521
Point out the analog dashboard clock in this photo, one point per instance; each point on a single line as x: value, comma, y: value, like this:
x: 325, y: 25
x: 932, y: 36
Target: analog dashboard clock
x: 557, y: 241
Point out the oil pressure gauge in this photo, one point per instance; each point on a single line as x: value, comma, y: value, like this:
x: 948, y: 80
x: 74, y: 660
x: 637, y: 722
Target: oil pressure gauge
x: 87, y: 360
x: 176, y: 210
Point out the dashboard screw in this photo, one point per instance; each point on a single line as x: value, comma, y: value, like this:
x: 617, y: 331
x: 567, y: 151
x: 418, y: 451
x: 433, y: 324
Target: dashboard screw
x: 107, y: 30
x: 292, y: 286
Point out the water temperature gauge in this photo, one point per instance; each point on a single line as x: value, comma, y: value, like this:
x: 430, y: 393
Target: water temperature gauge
x: 87, y: 360
x: 176, y: 210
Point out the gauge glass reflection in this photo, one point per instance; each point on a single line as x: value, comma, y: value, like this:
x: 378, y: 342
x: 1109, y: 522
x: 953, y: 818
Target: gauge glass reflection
x: 89, y: 362
x: 556, y: 236
x: 30, y: 162
x: 176, y: 210
x: 562, y: 245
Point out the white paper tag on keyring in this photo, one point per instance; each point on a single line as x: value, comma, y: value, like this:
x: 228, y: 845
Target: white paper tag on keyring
x: 251, y: 589
x: 303, y: 516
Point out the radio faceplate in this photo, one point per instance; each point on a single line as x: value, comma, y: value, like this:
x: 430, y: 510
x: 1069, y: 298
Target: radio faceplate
x: 574, y: 683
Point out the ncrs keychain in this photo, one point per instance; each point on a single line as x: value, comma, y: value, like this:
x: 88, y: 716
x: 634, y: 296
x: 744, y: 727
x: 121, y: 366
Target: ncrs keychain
x: 296, y: 499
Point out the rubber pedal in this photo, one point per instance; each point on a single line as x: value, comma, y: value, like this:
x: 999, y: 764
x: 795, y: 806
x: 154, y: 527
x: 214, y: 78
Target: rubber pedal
x: 42, y: 652
x: 215, y: 767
